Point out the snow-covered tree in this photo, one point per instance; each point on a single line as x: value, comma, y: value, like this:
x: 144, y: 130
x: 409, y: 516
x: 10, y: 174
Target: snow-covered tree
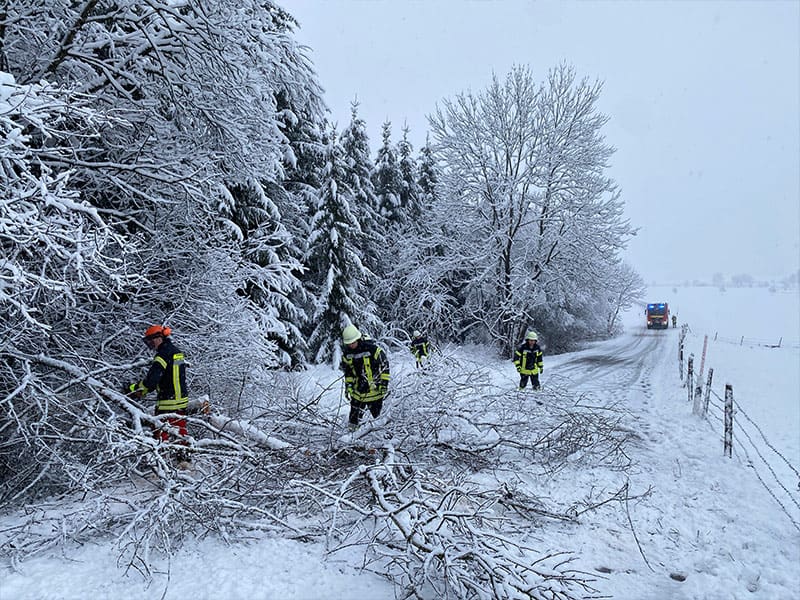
x: 58, y: 252
x: 409, y: 188
x: 340, y: 280
x: 428, y: 175
x: 139, y: 199
x: 626, y: 288
x: 359, y: 174
x: 203, y: 95
x: 388, y: 181
x: 304, y: 127
x: 271, y: 256
x: 524, y: 173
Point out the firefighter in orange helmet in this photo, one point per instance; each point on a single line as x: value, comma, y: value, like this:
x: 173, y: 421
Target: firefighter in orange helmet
x: 167, y: 376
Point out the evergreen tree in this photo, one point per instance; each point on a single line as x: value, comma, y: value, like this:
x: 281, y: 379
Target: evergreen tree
x: 409, y: 188
x: 272, y: 262
x: 333, y: 256
x: 428, y: 177
x: 358, y: 174
x: 388, y: 181
x: 304, y: 126
x: 296, y: 195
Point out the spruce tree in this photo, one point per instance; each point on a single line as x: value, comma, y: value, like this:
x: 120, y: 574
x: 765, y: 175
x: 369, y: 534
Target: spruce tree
x: 359, y: 173
x: 339, y: 278
x: 427, y: 178
x: 271, y: 260
x: 388, y: 181
x: 409, y: 188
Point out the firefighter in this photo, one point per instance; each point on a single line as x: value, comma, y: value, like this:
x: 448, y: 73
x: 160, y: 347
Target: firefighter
x: 419, y: 347
x: 167, y: 376
x: 674, y: 321
x: 366, y: 375
x: 528, y: 361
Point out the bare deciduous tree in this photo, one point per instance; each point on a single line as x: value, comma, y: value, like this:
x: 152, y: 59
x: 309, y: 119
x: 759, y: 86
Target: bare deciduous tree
x: 523, y: 170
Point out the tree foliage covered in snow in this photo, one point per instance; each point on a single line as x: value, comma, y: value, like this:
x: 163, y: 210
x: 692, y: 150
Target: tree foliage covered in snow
x: 270, y: 254
x: 530, y: 214
x: 409, y: 188
x: 123, y: 169
x: 340, y: 279
x: 358, y: 174
x: 388, y: 181
x: 201, y: 94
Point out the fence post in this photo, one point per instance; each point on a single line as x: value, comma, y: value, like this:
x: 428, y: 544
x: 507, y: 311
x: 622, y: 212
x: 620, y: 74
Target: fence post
x: 680, y: 359
x: 690, y: 377
x: 697, y: 406
x: 708, y: 391
x: 728, y: 447
x: 703, y: 359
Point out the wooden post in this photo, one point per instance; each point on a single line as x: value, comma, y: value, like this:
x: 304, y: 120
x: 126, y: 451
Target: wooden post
x: 697, y: 406
x: 703, y: 359
x: 728, y: 447
x: 690, y: 377
x: 708, y: 391
x: 680, y: 359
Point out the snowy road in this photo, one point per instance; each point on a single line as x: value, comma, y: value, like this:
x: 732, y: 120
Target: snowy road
x: 618, y: 363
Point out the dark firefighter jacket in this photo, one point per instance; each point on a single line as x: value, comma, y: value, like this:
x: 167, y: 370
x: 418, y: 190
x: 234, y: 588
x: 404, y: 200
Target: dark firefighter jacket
x: 419, y: 347
x: 167, y: 375
x: 528, y: 361
x: 366, y: 371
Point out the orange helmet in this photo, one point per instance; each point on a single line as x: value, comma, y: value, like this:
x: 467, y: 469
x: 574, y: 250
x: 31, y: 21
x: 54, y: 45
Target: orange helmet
x: 157, y: 331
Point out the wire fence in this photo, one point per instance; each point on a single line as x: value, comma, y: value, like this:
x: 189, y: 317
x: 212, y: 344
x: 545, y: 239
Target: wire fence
x: 749, y: 453
x: 751, y: 446
x: 767, y: 343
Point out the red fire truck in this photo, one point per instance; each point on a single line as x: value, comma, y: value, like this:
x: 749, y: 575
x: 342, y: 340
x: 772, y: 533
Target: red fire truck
x: 657, y: 315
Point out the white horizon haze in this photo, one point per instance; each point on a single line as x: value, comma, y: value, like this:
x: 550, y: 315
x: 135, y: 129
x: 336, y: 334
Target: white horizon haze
x: 703, y: 100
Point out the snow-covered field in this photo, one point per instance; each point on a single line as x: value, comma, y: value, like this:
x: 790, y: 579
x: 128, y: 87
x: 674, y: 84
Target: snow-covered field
x: 697, y: 525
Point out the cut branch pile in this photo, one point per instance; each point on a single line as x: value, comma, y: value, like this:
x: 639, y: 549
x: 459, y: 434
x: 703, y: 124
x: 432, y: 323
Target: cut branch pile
x: 410, y: 487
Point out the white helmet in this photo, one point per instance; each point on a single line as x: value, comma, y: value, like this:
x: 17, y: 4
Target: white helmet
x: 532, y: 336
x: 416, y: 333
x: 350, y: 334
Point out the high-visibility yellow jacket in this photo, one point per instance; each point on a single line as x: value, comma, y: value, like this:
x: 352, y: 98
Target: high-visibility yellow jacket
x: 528, y: 360
x: 419, y: 347
x: 167, y: 375
x: 366, y: 371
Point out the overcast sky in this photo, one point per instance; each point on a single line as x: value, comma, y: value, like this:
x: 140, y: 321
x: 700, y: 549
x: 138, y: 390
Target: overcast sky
x: 704, y: 100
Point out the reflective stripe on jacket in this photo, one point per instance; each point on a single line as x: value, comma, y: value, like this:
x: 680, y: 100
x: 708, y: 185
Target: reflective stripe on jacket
x: 167, y: 375
x: 366, y: 371
x: 419, y: 347
x: 528, y: 361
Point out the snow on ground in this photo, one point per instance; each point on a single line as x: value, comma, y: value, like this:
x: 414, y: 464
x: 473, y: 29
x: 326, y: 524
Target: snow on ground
x: 711, y: 527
